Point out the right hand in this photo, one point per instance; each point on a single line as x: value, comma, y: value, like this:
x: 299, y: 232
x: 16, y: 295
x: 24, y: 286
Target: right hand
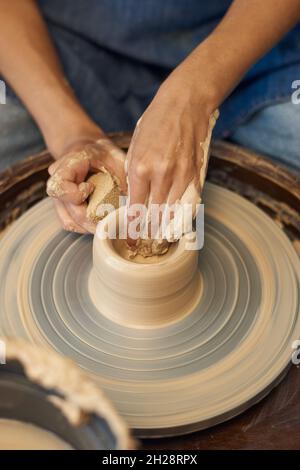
x: 67, y: 185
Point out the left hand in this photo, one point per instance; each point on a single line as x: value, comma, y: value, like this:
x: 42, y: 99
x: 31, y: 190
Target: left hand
x: 67, y: 183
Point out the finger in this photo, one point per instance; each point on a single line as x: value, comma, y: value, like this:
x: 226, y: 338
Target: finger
x: 138, y: 195
x: 76, y: 166
x: 105, y: 150
x: 53, y: 167
x: 116, y: 167
x: 105, y: 154
x: 184, y: 210
x: 202, y: 163
x: 67, y: 191
x: 62, y: 185
x: 66, y: 220
x: 159, y: 190
x: 78, y: 214
x: 180, y: 183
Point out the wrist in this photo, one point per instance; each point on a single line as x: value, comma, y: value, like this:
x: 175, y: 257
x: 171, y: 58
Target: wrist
x: 72, y: 132
x: 209, y: 74
x: 63, y: 122
x: 217, y: 67
x: 187, y: 85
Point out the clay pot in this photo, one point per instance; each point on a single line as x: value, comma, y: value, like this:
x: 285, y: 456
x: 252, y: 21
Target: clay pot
x: 131, y: 295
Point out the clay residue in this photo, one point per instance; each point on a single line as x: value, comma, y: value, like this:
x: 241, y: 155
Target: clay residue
x: 191, y: 197
x: 296, y: 244
x: 80, y: 397
x: 54, y: 186
x: 145, y: 251
x: 106, y: 191
x: 147, y: 248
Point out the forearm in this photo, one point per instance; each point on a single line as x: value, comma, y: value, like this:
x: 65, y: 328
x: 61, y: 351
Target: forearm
x: 246, y: 33
x: 29, y: 63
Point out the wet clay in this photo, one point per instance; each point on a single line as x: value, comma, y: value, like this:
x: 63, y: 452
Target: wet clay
x: 106, y: 191
x: 129, y: 254
x: 77, y: 397
x: 142, y: 292
x: 16, y: 435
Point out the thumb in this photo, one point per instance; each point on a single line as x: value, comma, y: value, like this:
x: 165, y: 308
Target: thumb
x: 86, y: 188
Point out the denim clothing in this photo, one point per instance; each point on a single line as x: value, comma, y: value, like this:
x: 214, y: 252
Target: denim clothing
x: 19, y: 135
x: 117, y: 52
x: 274, y: 131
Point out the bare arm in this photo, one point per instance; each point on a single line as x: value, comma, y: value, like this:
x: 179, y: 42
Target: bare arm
x: 29, y: 62
x: 165, y: 155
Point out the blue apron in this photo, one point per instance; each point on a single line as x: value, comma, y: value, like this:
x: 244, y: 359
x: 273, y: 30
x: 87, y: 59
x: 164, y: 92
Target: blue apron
x: 117, y: 52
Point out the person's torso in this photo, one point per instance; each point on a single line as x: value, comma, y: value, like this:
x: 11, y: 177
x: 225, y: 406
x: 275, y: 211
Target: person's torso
x: 117, y: 52
x: 158, y: 32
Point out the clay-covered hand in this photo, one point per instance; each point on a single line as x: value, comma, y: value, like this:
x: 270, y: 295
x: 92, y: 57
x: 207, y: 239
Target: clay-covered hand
x: 169, y: 150
x: 68, y: 186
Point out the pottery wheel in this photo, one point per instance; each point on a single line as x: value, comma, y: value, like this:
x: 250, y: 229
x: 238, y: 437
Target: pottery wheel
x: 207, y: 367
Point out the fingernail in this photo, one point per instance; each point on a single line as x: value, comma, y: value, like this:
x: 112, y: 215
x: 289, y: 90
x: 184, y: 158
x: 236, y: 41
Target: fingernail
x: 54, y: 188
x: 86, y: 188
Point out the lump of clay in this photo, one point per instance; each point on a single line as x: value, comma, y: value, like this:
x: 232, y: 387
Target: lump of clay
x: 106, y: 191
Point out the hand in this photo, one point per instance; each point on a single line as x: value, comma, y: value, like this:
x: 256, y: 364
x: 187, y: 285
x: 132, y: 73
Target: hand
x: 67, y: 183
x: 166, y: 153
